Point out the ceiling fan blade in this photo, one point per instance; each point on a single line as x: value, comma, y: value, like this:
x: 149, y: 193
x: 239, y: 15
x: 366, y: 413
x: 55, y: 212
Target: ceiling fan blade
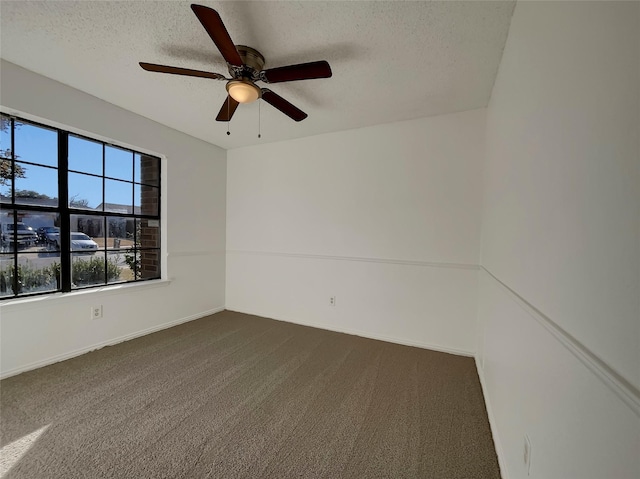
x: 152, y: 67
x: 212, y: 23
x: 283, y: 105
x: 302, y: 71
x: 228, y: 109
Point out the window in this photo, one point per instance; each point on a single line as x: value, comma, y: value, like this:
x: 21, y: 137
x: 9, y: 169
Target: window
x: 76, y: 212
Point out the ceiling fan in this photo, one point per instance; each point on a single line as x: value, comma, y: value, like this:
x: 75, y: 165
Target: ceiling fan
x: 245, y: 67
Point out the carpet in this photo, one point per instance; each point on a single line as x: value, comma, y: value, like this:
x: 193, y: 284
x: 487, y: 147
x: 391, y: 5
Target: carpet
x: 239, y: 396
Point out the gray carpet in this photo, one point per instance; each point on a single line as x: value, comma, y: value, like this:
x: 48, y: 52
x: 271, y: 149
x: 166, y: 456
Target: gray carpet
x: 238, y: 396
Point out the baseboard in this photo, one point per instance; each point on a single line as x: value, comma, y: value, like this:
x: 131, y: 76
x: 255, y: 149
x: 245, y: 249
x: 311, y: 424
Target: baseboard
x: 110, y: 342
x: 366, y: 334
x: 504, y: 473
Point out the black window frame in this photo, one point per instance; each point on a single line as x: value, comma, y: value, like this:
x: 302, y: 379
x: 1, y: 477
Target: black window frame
x: 65, y: 211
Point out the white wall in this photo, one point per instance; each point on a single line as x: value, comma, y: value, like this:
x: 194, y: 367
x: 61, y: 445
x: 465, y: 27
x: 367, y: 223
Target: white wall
x: 386, y: 219
x: 560, y: 341
x: 38, y: 331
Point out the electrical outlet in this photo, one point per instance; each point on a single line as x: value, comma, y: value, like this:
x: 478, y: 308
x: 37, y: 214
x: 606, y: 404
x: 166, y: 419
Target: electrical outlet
x: 527, y: 454
x: 332, y: 300
x: 96, y: 312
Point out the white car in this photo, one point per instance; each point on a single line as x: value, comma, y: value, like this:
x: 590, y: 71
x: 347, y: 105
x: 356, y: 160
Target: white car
x: 81, y: 243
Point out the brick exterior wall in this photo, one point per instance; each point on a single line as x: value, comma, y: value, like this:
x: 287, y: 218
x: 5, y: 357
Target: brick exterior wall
x: 149, y: 235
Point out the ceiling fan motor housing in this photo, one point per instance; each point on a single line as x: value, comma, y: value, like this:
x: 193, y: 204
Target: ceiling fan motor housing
x: 246, y: 67
x: 253, y: 64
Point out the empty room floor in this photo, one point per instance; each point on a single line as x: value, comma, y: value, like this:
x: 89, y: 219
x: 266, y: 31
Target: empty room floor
x: 239, y: 396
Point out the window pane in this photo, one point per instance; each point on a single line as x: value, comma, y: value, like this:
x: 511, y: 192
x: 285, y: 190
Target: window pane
x: 36, y: 144
x: 85, y: 155
x: 46, y: 227
x: 121, y: 265
x: 147, y: 170
x: 6, y: 229
x: 6, y: 275
x: 83, y: 227
x: 148, y: 233
x: 118, y: 196
x: 5, y: 163
x: 85, y: 191
x: 5, y: 137
x: 28, y: 224
x: 119, y: 232
x: 39, y: 186
x: 149, y: 264
x: 137, y: 199
x: 38, y: 271
x: 120, y: 247
x: 5, y: 181
x: 21, y: 234
x: 118, y: 163
x: 89, y: 270
x: 147, y: 199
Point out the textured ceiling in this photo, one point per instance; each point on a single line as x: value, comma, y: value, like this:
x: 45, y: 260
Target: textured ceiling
x: 391, y: 60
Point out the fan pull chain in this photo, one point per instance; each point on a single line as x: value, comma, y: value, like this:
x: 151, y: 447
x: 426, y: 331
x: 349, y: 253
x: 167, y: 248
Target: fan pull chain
x: 259, y: 111
x: 228, y: 119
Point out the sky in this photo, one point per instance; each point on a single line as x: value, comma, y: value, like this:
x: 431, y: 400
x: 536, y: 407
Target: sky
x: 39, y: 145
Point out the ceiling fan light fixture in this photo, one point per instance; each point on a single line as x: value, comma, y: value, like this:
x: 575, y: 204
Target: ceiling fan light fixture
x: 243, y: 91
x: 246, y: 66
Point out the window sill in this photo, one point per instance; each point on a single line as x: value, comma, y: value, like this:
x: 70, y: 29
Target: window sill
x: 59, y: 298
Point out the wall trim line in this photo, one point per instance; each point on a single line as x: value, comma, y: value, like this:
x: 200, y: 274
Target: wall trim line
x: 432, y: 264
x: 626, y: 391
x: 110, y: 342
x: 363, y: 334
x: 180, y: 254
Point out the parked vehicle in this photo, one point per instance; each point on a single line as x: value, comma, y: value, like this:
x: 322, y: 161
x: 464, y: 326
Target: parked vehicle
x: 46, y: 234
x: 80, y: 242
x: 23, y: 235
